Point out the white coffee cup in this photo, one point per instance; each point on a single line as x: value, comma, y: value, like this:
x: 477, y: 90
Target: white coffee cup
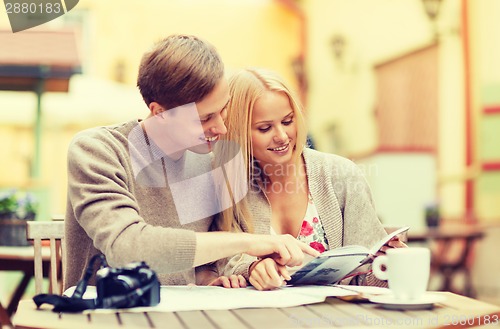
x: 407, y: 271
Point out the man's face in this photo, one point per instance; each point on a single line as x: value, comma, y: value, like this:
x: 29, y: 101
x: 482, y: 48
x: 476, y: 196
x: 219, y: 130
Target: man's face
x: 194, y: 126
x: 211, y: 114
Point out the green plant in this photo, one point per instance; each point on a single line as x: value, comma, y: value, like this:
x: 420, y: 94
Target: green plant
x: 14, y: 204
x: 432, y: 217
x: 28, y: 206
x: 8, y: 203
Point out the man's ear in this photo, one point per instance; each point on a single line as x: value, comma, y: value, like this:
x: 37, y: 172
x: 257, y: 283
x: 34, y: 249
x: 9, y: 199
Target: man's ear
x: 155, y: 108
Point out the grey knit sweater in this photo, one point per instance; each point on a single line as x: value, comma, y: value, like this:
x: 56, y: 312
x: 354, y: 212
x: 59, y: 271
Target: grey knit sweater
x: 344, y: 203
x: 124, y: 215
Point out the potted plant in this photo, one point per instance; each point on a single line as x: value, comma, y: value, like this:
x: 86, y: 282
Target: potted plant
x: 8, y: 205
x: 15, y: 209
x: 432, y: 217
x: 27, y: 207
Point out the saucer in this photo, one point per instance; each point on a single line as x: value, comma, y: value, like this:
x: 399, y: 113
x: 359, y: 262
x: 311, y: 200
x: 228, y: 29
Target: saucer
x: 426, y: 302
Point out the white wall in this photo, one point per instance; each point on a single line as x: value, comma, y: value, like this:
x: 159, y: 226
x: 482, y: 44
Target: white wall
x: 402, y: 185
x: 343, y: 93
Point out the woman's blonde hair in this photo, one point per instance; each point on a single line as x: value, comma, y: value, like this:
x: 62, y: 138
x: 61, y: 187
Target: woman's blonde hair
x: 245, y: 88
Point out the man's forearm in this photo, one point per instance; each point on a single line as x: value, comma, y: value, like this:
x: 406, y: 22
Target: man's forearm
x: 212, y: 246
x: 284, y: 249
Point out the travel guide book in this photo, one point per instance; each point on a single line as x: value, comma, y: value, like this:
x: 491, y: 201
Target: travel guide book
x: 334, y: 265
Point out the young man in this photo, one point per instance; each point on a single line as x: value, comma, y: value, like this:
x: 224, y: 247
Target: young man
x: 139, y: 191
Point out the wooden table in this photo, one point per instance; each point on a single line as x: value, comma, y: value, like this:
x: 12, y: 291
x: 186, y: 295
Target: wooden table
x: 332, y: 312
x: 452, y: 247
x: 20, y: 259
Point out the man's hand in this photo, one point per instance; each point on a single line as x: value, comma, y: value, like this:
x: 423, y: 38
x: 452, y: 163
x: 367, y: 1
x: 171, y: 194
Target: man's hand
x: 266, y: 274
x: 284, y: 249
x: 234, y: 281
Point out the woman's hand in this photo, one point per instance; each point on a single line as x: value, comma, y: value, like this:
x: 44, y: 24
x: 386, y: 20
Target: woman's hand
x: 266, y: 274
x: 393, y: 243
x: 233, y: 281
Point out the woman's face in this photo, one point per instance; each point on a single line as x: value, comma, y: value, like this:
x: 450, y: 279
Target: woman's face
x: 273, y: 128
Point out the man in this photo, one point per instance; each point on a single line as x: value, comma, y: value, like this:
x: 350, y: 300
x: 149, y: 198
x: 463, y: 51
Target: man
x: 127, y: 190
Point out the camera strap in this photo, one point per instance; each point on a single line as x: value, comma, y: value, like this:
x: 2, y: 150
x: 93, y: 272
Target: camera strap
x: 75, y: 303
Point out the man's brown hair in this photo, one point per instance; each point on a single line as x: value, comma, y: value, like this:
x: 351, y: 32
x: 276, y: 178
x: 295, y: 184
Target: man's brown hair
x: 180, y: 69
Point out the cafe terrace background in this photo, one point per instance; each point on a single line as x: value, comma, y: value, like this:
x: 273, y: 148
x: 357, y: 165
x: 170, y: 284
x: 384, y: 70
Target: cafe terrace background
x: 414, y: 100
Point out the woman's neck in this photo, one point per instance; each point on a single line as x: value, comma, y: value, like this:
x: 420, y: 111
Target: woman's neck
x: 276, y: 177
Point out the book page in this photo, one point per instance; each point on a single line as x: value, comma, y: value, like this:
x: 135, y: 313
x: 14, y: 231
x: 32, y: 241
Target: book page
x: 331, y: 266
x: 334, y: 265
x: 329, y: 253
x: 386, y: 239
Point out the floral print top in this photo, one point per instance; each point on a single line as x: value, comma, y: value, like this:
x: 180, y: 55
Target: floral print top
x: 312, y: 231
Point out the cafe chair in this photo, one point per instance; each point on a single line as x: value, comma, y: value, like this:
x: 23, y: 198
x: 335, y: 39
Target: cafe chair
x: 53, y: 232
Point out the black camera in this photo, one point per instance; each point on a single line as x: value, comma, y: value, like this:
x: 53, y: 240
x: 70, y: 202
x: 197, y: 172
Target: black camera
x: 130, y: 286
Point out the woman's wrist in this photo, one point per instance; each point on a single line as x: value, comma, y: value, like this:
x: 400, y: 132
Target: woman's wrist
x: 252, y: 266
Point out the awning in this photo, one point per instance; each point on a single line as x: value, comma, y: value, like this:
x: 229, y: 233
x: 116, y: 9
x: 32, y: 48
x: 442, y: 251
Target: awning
x: 38, y: 61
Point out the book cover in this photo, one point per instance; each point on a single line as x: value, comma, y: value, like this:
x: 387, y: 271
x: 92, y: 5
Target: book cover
x: 334, y: 265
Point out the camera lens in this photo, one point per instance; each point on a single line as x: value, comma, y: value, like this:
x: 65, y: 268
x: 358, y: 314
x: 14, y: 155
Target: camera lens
x: 127, y: 282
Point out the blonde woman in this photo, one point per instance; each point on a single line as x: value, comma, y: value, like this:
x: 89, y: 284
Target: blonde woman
x: 320, y: 199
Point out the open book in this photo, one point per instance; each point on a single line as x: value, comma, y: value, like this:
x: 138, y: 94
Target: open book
x: 336, y: 264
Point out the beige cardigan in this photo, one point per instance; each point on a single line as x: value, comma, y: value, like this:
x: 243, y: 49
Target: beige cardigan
x: 344, y: 203
x: 111, y: 210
